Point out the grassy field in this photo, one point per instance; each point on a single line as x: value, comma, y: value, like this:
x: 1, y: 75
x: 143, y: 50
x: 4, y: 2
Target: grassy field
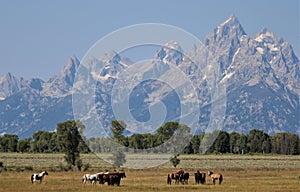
x: 241, y: 173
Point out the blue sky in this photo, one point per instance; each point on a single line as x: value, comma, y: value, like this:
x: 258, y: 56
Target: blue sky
x: 38, y: 36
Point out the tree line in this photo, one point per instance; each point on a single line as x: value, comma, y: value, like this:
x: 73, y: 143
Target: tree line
x: 68, y: 137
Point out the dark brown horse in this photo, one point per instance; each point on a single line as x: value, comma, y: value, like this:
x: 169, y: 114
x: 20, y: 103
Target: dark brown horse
x: 184, y: 178
x: 174, y: 176
x: 200, y: 177
x: 111, y: 178
x: 215, y: 176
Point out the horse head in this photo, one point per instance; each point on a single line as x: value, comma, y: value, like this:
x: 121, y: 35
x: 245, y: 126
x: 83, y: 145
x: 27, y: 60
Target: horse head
x: 122, y: 174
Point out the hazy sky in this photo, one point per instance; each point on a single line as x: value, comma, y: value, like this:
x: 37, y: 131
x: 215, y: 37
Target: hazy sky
x: 38, y: 36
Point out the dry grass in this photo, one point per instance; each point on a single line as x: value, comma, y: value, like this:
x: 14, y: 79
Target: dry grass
x: 154, y: 180
x: 241, y: 173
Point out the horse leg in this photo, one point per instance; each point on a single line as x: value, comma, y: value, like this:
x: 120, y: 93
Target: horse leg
x: 214, y: 181
x: 32, y: 178
x: 169, y: 181
x: 220, y: 179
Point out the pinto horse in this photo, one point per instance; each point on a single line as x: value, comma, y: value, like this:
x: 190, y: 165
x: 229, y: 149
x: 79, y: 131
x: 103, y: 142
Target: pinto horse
x: 38, y: 176
x: 91, y: 178
x: 174, y: 176
x: 215, y: 176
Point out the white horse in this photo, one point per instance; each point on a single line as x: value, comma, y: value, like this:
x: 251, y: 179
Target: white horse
x: 91, y: 178
x: 39, y: 176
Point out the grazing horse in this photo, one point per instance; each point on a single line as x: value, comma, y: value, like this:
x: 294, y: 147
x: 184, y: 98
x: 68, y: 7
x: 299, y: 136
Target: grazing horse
x: 174, y: 176
x: 91, y: 178
x: 112, y: 178
x: 184, y: 178
x: 200, y: 177
x: 39, y: 176
x: 116, y: 179
x: 215, y: 176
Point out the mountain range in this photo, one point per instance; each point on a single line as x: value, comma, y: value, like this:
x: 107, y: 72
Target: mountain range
x: 262, y: 76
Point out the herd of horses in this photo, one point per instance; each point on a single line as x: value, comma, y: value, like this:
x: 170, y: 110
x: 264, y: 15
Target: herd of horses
x: 114, y: 178
x: 111, y: 178
x: 200, y: 177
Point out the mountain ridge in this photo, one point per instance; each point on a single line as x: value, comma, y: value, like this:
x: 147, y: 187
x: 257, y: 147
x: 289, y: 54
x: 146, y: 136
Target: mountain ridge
x: 262, y: 76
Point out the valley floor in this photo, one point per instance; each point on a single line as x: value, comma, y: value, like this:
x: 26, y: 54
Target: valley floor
x: 241, y: 173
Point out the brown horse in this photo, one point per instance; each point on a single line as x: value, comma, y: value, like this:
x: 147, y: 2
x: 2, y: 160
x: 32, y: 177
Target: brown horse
x: 174, y: 176
x: 215, y: 176
x: 111, y: 178
x: 184, y: 178
x: 200, y: 177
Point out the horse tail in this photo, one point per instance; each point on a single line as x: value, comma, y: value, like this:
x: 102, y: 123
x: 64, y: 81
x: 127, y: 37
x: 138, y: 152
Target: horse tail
x: 220, y: 179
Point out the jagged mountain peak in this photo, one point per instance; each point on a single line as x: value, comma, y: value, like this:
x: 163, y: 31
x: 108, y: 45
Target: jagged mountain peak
x: 267, y: 36
x: 225, y: 41
x: 60, y: 85
x: 69, y: 71
x: 72, y: 61
x: 9, y: 77
x: 232, y: 19
x: 173, y: 45
x: 231, y: 26
x: 111, y: 57
x: 113, y: 65
x: 171, y: 52
x: 230, y: 31
x: 9, y: 84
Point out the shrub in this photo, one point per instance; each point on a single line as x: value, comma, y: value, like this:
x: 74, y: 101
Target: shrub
x: 19, y: 169
x: 86, y: 167
x: 175, y: 161
x: 64, y: 167
x: 2, y: 167
x: 79, y: 164
x: 28, y: 168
